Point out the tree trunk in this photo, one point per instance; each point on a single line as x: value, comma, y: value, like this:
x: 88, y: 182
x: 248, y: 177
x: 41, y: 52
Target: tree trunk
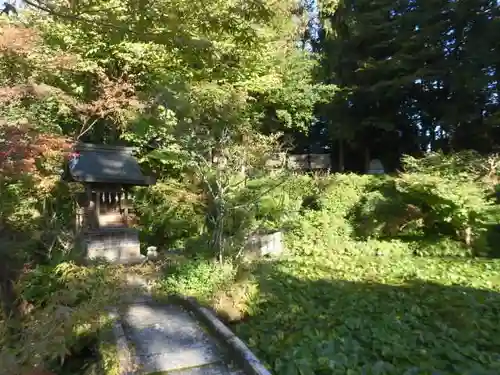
x: 341, y: 164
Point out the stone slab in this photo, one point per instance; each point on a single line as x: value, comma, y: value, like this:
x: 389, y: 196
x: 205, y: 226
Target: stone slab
x: 166, y: 362
x: 166, y: 338
x: 217, y: 369
x: 115, y: 245
x: 265, y: 244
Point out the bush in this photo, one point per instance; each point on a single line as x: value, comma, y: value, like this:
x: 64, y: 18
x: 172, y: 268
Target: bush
x: 271, y: 203
x: 437, y: 196
x: 327, y: 226
x: 198, y: 278
x: 61, y: 304
x: 425, y: 204
x: 450, y: 203
x: 170, y: 213
x: 468, y: 165
x: 341, y: 192
x: 385, y: 214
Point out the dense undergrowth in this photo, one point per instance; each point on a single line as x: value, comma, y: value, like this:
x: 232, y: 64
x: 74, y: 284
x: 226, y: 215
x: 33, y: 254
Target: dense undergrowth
x: 53, y: 309
x: 382, y: 275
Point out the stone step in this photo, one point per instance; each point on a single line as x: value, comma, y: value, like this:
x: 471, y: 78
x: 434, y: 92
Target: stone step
x: 217, y: 369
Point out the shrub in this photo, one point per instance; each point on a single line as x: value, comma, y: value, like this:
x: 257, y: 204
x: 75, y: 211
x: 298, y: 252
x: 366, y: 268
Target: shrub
x: 427, y: 204
x: 271, y: 203
x: 170, y: 213
x: 318, y: 230
x: 198, y: 278
x: 327, y: 226
x: 341, y: 192
x: 452, y: 205
x: 385, y: 213
x: 61, y: 304
x: 468, y: 165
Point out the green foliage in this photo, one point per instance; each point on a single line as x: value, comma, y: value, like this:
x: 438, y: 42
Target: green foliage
x: 108, y: 353
x: 203, y: 89
x: 437, y: 196
x: 335, y: 314
x: 375, y: 280
x: 382, y: 214
x: 327, y: 225
x: 342, y: 191
x: 459, y: 204
x: 443, y: 247
x: 41, y: 284
x: 464, y: 165
x: 169, y: 213
x: 198, y: 278
x: 332, y: 211
x: 274, y: 202
x: 63, y: 302
x: 386, y: 57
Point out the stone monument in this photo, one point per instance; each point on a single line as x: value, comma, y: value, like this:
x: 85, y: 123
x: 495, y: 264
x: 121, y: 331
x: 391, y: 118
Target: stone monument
x: 376, y: 167
x: 270, y: 244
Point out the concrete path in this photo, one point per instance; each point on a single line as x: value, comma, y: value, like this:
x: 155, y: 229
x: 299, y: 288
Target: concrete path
x: 168, y: 340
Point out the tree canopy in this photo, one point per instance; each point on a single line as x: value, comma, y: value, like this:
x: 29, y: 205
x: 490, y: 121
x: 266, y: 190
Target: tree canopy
x: 422, y: 74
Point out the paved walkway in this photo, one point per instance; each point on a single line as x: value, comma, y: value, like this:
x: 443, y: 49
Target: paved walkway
x: 168, y: 340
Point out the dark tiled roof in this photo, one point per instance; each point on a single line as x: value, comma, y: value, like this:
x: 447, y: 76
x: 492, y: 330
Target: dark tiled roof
x: 105, y: 164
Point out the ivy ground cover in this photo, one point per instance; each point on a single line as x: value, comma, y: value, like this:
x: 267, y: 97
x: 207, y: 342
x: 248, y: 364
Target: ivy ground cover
x: 338, y: 314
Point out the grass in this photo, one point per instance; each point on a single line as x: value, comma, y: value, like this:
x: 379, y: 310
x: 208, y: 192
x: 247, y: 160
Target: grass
x: 327, y: 313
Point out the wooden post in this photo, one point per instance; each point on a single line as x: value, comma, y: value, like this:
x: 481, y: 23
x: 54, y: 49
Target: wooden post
x: 97, y: 206
x: 78, y: 221
x: 89, y: 208
x: 126, y: 208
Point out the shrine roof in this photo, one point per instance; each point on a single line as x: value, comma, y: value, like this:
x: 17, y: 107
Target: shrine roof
x: 91, y: 163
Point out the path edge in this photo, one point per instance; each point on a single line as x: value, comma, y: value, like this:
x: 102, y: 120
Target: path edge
x: 238, y: 350
x: 126, y: 362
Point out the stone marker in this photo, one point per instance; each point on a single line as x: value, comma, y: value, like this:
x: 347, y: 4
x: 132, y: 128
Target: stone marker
x: 152, y: 252
x: 266, y: 244
x: 376, y: 167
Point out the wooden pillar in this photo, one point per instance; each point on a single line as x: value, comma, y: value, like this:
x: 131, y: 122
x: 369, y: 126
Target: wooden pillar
x: 120, y: 202
x: 89, y: 208
x: 97, y: 207
x: 125, y: 211
x: 78, y: 221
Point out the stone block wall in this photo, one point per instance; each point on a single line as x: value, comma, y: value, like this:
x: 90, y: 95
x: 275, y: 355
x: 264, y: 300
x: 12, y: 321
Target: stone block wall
x: 115, y: 245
